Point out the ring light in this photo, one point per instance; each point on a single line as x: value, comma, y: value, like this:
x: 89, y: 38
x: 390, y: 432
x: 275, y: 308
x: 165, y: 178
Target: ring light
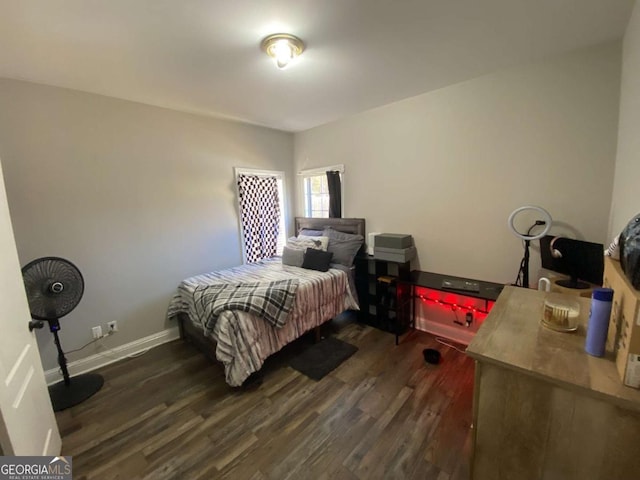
x: 546, y: 218
x: 523, y: 273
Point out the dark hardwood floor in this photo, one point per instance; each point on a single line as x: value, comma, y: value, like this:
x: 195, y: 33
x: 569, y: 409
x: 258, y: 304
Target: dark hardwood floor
x: 384, y: 413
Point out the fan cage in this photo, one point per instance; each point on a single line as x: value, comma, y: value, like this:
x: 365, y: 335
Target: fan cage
x: 54, y: 287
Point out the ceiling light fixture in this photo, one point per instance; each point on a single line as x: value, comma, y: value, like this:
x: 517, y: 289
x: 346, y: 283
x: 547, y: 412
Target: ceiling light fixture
x: 283, y: 48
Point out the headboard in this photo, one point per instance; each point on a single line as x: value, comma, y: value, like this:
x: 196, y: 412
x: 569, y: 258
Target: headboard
x: 346, y: 225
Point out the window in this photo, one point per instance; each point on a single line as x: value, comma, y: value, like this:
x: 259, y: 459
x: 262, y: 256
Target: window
x: 261, y: 213
x: 316, y: 196
x: 316, y: 191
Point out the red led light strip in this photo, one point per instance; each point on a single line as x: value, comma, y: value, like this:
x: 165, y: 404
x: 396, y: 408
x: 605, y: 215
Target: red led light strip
x: 454, y: 306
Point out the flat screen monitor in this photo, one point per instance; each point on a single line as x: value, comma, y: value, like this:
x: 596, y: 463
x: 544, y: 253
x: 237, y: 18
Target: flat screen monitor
x: 581, y: 261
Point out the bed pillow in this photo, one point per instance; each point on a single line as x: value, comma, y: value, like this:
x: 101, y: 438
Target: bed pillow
x: 301, y: 242
x: 308, y: 232
x: 292, y: 256
x: 344, y: 246
x: 324, y: 241
x: 316, y: 260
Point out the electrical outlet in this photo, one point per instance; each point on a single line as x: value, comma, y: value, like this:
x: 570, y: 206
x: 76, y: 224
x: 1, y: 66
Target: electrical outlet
x: 97, y: 332
x: 113, y: 327
x: 469, y: 318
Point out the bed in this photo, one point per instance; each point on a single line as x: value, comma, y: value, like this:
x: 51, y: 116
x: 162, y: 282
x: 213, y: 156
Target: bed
x: 242, y: 341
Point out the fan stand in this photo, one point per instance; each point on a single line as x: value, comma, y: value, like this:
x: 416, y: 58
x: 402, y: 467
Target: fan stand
x: 523, y: 274
x: 71, y: 391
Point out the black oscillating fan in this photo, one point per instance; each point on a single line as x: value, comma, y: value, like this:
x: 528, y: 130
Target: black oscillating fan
x: 54, y: 287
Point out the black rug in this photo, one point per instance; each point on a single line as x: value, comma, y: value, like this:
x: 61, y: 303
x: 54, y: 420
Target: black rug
x: 323, y: 357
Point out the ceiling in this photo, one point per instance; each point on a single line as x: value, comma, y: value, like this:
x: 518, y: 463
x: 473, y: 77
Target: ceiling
x: 204, y: 55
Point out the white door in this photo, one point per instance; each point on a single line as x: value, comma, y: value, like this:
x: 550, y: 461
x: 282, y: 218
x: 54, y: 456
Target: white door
x: 27, y: 423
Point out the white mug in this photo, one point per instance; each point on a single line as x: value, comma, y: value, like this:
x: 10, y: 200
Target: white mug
x: 544, y: 284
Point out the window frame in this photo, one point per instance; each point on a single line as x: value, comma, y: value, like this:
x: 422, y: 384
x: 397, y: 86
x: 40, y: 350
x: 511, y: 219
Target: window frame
x: 309, y: 195
x: 314, y: 172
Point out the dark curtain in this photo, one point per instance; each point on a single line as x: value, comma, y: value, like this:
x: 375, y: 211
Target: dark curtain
x: 260, y: 215
x: 335, y: 194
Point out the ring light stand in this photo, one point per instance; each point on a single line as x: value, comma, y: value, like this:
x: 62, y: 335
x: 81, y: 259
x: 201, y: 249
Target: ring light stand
x: 524, y: 266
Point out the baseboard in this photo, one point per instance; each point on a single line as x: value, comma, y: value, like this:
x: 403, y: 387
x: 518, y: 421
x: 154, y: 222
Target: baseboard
x: 457, y: 334
x: 113, y: 355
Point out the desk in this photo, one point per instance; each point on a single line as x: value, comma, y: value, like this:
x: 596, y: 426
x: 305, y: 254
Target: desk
x: 488, y: 291
x: 544, y: 408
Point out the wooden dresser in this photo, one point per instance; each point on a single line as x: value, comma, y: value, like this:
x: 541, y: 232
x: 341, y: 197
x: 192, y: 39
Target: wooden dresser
x: 543, y: 408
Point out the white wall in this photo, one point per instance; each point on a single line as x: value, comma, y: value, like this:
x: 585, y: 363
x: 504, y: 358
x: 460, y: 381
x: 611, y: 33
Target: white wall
x: 449, y: 166
x: 626, y: 200
x: 138, y: 197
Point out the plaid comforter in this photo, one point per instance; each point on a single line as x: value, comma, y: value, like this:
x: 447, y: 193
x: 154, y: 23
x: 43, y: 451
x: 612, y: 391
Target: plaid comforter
x: 244, y: 340
x: 270, y: 301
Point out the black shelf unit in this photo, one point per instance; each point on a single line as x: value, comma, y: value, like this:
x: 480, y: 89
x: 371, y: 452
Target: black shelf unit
x: 384, y: 294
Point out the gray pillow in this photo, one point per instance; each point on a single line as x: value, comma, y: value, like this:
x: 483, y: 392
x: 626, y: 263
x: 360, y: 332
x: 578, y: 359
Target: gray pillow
x: 310, y: 233
x: 344, y: 246
x: 292, y: 256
